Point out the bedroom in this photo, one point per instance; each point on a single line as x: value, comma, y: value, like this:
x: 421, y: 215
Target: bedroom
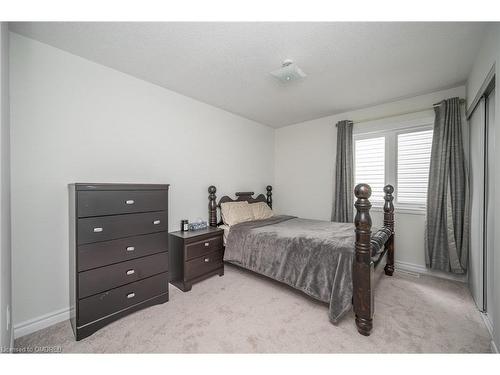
x: 173, y: 121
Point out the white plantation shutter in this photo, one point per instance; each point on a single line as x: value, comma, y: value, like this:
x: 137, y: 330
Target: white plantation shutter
x: 369, y: 155
x: 413, y: 161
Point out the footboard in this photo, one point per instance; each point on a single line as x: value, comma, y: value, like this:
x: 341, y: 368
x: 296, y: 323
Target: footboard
x: 369, y: 251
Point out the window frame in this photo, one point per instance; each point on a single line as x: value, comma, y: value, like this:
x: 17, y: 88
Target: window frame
x: 391, y: 158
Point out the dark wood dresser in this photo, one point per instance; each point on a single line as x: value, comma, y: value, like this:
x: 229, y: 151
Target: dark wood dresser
x: 195, y: 255
x: 118, y: 252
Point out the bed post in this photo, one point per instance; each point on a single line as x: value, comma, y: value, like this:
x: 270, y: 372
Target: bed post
x: 212, y: 206
x: 363, y: 266
x: 269, y: 194
x: 389, y: 223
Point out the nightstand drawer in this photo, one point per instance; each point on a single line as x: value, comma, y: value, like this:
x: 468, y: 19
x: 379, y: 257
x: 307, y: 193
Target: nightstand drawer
x: 200, y: 248
x: 199, y: 266
x: 100, y: 254
x: 98, y: 203
x: 104, y: 228
x: 109, y: 277
x: 114, y: 300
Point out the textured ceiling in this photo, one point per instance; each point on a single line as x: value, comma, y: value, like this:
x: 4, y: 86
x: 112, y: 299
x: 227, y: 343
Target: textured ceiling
x: 227, y: 65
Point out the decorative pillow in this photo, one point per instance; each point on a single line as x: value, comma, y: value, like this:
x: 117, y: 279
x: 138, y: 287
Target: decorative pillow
x: 225, y: 228
x: 236, y: 212
x: 261, y: 211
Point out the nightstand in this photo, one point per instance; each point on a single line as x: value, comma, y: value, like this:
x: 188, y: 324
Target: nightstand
x: 195, y: 256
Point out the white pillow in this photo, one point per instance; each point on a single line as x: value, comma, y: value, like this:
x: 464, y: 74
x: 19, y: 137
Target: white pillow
x: 261, y: 211
x: 236, y: 212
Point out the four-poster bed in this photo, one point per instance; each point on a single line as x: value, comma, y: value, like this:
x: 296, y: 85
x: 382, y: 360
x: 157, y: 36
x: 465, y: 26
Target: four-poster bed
x: 316, y: 257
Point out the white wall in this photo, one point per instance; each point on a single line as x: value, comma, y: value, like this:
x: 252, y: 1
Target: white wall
x: 5, y: 238
x: 305, y: 166
x: 76, y: 121
x: 489, y: 55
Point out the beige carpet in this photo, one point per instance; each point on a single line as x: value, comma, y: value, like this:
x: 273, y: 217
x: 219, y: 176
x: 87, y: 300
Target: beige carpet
x: 245, y: 313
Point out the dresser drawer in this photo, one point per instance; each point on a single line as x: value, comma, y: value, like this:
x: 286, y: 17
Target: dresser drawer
x: 109, y: 277
x: 103, y: 228
x: 99, y: 203
x: 100, y: 254
x: 197, y: 249
x: 114, y: 300
x: 199, y: 266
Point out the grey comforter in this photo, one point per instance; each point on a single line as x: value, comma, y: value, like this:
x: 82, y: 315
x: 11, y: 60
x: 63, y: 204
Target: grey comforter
x: 310, y: 255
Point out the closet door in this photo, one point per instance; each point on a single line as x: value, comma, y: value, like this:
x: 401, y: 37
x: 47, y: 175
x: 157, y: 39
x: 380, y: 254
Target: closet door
x: 477, y: 186
x: 490, y: 201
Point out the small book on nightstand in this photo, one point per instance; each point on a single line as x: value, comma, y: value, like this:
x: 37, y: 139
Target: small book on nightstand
x: 195, y: 256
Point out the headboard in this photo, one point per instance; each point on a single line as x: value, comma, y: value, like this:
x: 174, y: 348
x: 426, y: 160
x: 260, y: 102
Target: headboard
x: 241, y: 196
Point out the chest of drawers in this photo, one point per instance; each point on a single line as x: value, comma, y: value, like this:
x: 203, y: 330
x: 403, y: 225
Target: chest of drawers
x: 195, y: 256
x: 118, y: 252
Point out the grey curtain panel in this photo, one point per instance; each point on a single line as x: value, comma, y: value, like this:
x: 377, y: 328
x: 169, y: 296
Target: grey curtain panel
x: 343, y: 197
x: 448, y: 211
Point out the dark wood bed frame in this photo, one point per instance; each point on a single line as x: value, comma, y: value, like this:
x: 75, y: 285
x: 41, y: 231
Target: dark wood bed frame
x: 369, y: 249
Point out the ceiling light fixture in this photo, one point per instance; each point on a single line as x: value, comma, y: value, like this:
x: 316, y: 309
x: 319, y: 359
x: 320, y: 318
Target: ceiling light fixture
x: 289, y: 71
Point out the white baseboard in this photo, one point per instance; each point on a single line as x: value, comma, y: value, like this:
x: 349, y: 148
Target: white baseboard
x: 417, y: 268
x: 487, y: 323
x: 12, y: 339
x: 494, y: 348
x: 489, y: 327
x: 41, y: 322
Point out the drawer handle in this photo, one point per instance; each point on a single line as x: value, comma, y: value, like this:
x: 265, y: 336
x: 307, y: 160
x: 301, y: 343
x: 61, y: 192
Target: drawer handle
x: 207, y: 244
x: 130, y: 272
x: 130, y: 248
x: 207, y: 260
x: 97, y: 230
x: 156, y: 222
x: 130, y: 201
x: 130, y: 295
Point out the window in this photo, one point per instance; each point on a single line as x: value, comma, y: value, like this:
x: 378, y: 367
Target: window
x: 370, y: 165
x: 414, y: 158
x: 397, y: 157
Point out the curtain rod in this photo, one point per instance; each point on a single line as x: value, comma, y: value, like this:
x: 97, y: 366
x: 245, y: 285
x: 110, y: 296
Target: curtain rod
x: 462, y: 101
